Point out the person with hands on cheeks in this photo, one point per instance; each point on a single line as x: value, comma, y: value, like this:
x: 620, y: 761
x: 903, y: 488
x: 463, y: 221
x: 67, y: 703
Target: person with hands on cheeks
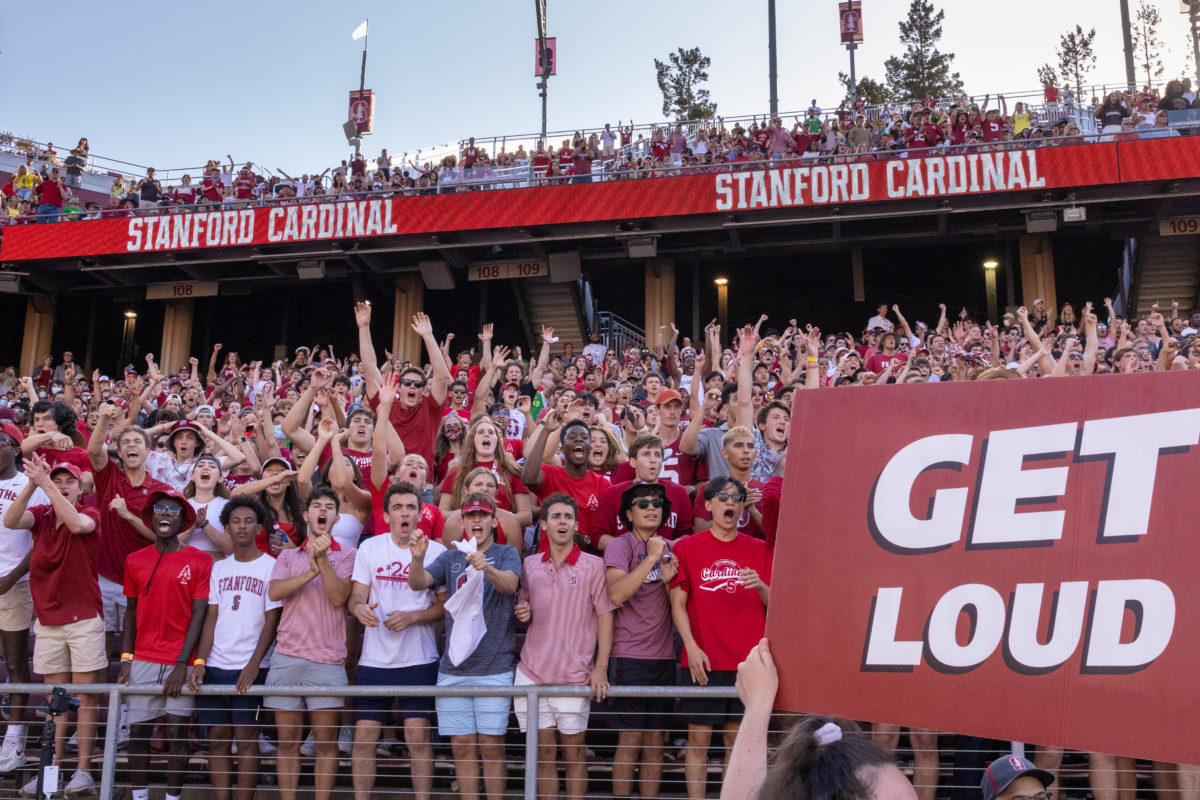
x: 718, y: 602
x: 476, y: 725
x: 399, y: 640
x: 69, y: 645
x: 638, y: 568
x: 313, y: 582
x: 238, y: 633
x: 167, y: 587
x: 565, y: 601
x: 819, y: 757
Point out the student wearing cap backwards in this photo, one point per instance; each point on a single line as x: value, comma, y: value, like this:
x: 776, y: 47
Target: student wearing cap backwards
x: 475, y: 725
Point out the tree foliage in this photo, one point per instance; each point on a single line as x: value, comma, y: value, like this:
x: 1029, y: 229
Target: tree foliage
x: 922, y: 68
x: 1047, y: 76
x: 1147, y: 46
x: 679, y: 80
x: 875, y: 92
x: 1076, y: 59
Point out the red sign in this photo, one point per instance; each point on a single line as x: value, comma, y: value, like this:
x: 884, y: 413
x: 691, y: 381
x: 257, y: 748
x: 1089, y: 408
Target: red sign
x: 362, y: 111
x: 551, y: 56
x: 746, y: 190
x: 850, y: 14
x: 1006, y: 559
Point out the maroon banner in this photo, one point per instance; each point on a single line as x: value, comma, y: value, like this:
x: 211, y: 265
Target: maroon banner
x: 1006, y: 559
x: 1159, y: 159
x: 551, y: 56
x: 703, y: 193
x: 362, y: 111
x: 850, y: 14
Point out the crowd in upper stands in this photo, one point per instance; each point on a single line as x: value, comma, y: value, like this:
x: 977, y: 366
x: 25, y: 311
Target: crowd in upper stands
x: 42, y: 188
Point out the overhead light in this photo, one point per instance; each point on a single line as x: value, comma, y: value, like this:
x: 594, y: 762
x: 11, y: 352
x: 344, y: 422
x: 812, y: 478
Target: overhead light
x: 721, y: 281
x: 991, y: 264
x: 1075, y: 214
x: 642, y: 246
x: 1041, y: 222
x: 9, y: 283
x: 130, y: 315
x: 310, y: 270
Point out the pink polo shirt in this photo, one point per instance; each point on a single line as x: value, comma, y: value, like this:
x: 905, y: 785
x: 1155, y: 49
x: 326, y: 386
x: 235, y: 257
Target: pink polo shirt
x: 311, y: 627
x: 566, y: 602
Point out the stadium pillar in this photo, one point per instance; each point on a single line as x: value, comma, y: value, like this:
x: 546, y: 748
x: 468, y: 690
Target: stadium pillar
x: 39, y: 329
x: 410, y: 298
x: 177, y: 334
x: 660, y: 296
x: 1037, y: 270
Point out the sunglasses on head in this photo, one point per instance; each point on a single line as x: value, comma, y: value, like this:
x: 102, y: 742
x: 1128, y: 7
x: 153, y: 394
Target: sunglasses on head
x: 648, y: 502
x: 412, y: 382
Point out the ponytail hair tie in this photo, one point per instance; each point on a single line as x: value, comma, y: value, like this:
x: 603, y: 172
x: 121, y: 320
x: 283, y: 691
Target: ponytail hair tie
x: 828, y: 733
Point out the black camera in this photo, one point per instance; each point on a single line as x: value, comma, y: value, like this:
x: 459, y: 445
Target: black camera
x: 59, y: 702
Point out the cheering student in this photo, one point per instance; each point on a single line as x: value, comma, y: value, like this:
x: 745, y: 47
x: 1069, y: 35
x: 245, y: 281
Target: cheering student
x: 718, y: 602
x: 399, y: 640
x: 574, y: 478
x: 167, y: 589
x: 565, y: 600
x: 238, y: 633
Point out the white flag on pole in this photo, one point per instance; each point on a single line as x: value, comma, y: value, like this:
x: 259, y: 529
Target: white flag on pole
x: 360, y: 31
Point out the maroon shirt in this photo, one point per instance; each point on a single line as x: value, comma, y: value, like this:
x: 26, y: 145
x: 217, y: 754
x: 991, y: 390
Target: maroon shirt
x: 62, y: 569
x: 120, y: 539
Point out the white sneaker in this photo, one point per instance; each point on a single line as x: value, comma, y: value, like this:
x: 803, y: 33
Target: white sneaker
x: 346, y: 740
x: 12, y: 755
x: 309, y: 747
x: 387, y: 747
x: 80, y: 782
x: 30, y: 789
x: 265, y: 746
x: 122, y: 737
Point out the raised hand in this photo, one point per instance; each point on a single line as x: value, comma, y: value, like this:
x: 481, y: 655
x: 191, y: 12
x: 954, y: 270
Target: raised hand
x: 362, y: 315
x: 486, y: 334
x: 547, y: 335
x: 421, y: 324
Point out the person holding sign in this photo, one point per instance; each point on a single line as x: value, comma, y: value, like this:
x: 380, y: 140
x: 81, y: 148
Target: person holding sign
x: 718, y: 602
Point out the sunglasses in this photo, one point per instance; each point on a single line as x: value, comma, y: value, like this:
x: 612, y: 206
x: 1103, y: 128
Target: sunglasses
x: 170, y: 511
x: 649, y: 502
x: 412, y: 382
x: 8, y: 440
x: 726, y: 497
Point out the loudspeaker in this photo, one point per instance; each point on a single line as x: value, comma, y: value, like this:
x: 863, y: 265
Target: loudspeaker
x: 436, y: 275
x: 565, y: 267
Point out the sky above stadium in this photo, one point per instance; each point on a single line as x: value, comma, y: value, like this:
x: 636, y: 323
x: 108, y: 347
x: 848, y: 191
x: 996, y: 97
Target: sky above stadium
x: 173, y: 84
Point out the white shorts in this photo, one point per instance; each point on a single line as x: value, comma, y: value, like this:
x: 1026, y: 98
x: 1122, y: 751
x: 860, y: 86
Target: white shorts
x: 115, y: 603
x: 568, y: 714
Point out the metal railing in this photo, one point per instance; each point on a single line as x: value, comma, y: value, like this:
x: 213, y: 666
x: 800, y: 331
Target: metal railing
x: 618, y: 333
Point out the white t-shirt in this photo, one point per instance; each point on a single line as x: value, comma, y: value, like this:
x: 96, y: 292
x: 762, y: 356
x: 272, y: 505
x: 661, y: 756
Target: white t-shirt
x: 15, y: 544
x: 607, y: 137
x: 383, y: 565
x: 199, y: 537
x: 239, y: 590
x: 516, y: 425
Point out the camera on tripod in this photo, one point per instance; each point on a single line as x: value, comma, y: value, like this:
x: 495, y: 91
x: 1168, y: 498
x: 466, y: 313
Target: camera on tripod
x: 58, y: 703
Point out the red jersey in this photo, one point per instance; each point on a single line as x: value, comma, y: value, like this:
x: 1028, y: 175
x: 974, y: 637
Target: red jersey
x: 210, y: 189
x: 745, y: 524
x: 727, y: 619
x: 608, y: 522
x: 583, y: 163
x: 586, y: 491
x: 566, y: 153
x: 762, y: 138
x: 120, y: 538
x: 62, y: 569
x: 541, y: 160
x: 878, y: 362
x: 243, y: 187
x: 362, y: 458
x: 993, y: 129
x: 72, y: 455
x: 164, y: 607
x: 470, y: 156
x: 659, y: 148
x: 676, y: 466
x: 416, y: 426
x: 926, y: 135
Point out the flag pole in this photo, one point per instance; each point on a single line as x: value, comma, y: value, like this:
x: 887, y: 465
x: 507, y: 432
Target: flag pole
x: 362, y: 76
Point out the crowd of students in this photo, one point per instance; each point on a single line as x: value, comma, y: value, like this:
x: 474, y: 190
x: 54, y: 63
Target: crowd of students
x: 596, y: 519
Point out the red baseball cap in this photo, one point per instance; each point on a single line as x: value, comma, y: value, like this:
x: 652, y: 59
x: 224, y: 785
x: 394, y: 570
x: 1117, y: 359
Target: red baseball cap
x: 478, y: 504
x: 666, y: 396
x: 67, y: 466
x: 13, y: 431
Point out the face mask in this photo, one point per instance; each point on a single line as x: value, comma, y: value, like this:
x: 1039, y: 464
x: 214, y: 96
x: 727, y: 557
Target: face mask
x: 278, y: 432
x: 454, y: 434
x: 354, y: 370
x: 3, y: 402
x: 42, y: 395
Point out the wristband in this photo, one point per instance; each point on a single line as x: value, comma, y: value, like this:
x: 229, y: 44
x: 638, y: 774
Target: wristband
x: 126, y: 658
x: 198, y: 662
x: 811, y: 359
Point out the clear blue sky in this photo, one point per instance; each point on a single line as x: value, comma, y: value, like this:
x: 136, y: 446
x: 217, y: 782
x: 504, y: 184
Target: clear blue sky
x: 172, y: 84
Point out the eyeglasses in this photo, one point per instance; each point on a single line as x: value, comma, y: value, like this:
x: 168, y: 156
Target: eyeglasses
x: 1038, y: 796
x: 8, y: 440
x: 726, y: 497
x: 648, y: 502
x: 170, y: 511
x: 414, y: 383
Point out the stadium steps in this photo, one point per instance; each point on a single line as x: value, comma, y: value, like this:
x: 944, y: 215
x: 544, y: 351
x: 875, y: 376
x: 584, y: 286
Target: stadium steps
x: 1168, y: 269
x: 552, y: 304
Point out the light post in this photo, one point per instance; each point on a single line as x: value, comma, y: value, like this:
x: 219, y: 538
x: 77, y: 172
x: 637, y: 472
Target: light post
x: 723, y: 304
x: 127, y: 338
x: 989, y: 274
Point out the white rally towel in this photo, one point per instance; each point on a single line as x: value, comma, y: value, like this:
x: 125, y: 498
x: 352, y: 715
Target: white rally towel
x: 466, y: 607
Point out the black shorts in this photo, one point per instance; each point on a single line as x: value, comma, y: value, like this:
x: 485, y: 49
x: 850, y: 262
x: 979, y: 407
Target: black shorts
x: 713, y: 712
x: 640, y: 713
x: 213, y: 710
x: 376, y: 708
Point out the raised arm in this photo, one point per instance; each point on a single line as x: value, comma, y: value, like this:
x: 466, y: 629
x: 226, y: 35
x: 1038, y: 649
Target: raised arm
x: 97, y: 444
x: 384, y: 430
x: 531, y: 472
x: 297, y: 416
x: 422, y: 326
x: 368, y: 360
x: 212, y: 363
x: 1091, y: 343
x: 539, y: 368
x: 746, y: 342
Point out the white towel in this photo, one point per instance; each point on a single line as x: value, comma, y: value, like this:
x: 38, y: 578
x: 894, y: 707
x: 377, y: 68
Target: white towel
x: 466, y: 607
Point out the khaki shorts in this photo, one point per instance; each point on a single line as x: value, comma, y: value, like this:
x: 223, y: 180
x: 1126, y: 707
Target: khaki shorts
x: 568, y: 714
x: 74, y: 647
x: 16, y: 608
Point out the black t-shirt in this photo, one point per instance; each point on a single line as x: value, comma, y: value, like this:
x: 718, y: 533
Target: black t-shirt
x: 74, y: 165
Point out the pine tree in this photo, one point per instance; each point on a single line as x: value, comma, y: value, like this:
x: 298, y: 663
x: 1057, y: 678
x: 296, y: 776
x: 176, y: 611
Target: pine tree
x: 923, y: 68
x: 1075, y: 56
x: 875, y: 92
x: 1147, y: 47
x: 679, y: 82
x: 1047, y: 76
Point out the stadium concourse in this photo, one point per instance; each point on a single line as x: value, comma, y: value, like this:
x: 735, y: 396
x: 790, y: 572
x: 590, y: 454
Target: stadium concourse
x: 429, y: 506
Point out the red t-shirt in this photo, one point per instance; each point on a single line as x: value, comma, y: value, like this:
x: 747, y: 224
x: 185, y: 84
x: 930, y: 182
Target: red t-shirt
x: 431, y: 523
x: 185, y: 195
x: 62, y: 569
x: 727, y: 619
x: 746, y: 523
x: 164, y: 606
x: 769, y: 506
x: 878, y: 362
x: 416, y: 426
x: 927, y: 135
x: 243, y: 187
x: 583, y: 163
x: 233, y: 481
x: 360, y: 457
x: 607, y: 521
x: 762, y: 137
x: 211, y: 189
x: 72, y: 455
x: 120, y: 539
x: 49, y: 193
x: 993, y: 130
x: 586, y: 491
x: 676, y: 466
x: 804, y: 140
x: 504, y: 495
x: 659, y: 148
x: 541, y: 160
x: 470, y: 156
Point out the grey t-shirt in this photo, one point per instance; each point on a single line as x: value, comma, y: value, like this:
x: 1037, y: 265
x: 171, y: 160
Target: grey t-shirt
x: 494, y: 654
x: 708, y: 447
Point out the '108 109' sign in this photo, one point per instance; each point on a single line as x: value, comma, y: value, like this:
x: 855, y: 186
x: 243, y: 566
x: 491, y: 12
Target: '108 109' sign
x: 498, y: 270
